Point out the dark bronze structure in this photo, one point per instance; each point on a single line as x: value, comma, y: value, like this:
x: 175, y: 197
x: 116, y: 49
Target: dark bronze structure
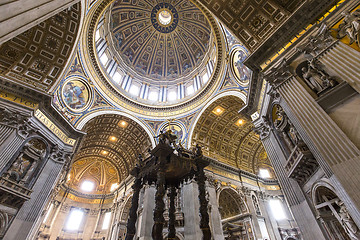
x: 169, y: 165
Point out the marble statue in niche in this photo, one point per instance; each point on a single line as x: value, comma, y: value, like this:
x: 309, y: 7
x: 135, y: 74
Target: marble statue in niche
x: 287, y: 130
x: 316, y: 78
x: 22, y: 169
x: 347, y: 222
x: 350, y: 27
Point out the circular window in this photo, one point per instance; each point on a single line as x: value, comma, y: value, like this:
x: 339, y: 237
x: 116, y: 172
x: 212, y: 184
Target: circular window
x: 164, y: 17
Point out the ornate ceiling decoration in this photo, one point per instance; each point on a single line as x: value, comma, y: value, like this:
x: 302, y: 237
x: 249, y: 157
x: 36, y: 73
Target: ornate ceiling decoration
x: 156, y: 50
x: 38, y: 56
x: 229, y: 136
x: 252, y: 21
x: 231, y: 204
x: 99, y: 171
x: 124, y: 85
x: 108, y: 151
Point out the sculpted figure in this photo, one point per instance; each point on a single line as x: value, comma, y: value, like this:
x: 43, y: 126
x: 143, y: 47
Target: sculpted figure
x: 347, y: 222
x: 17, y: 169
x: 280, y: 116
x: 316, y: 77
x: 293, y: 134
x: 312, y: 79
x: 350, y: 27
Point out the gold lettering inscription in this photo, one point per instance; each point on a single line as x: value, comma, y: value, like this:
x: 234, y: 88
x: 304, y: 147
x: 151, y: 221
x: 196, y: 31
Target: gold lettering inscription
x: 19, y: 100
x: 53, y: 128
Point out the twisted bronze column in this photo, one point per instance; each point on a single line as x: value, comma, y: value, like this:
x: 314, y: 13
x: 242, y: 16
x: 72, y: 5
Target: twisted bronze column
x: 159, y: 219
x: 204, y: 220
x: 130, y: 226
x: 172, y: 231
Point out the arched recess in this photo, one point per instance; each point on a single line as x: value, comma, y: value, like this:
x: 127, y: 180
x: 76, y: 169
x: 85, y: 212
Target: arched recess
x: 114, y: 143
x: 231, y: 204
x: 27, y: 163
x: 228, y: 136
x: 238, y: 94
x: 332, y: 213
x: 81, y: 123
x: 124, y: 218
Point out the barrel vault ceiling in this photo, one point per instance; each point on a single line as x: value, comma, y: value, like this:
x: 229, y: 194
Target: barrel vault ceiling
x: 229, y: 136
x: 108, y: 152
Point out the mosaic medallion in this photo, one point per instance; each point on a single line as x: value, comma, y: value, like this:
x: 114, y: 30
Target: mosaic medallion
x: 76, y: 94
x: 240, y: 71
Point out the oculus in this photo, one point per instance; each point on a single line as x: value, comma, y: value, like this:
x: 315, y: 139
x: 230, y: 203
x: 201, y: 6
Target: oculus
x: 164, y: 17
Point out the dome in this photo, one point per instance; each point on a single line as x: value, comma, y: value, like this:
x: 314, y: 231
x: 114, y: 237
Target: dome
x: 155, y: 52
x: 160, y: 41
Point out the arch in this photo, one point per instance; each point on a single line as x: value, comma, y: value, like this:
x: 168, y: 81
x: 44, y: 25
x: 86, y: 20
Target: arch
x: 231, y: 203
x: 321, y: 183
x: 109, y: 150
x: 82, y: 121
x: 238, y: 94
x: 227, y: 135
x: 332, y: 211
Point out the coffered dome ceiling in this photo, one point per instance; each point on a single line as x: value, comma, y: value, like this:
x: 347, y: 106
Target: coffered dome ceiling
x: 155, y: 56
x: 160, y: 40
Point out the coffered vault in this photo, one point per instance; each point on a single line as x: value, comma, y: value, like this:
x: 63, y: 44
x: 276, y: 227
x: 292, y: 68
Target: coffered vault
x: 114, y: 140
x: 229, y: 136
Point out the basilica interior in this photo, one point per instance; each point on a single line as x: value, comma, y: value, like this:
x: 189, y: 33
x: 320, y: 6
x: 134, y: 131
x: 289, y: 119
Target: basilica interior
x: 180, y: 119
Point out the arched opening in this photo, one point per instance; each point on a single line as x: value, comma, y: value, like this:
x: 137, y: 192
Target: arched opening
x: 103, y: 161
x: 235, y: 216
x: 228, y: 136
x: 123, y: 219
x: 231, y: 204
x: 334, y: 215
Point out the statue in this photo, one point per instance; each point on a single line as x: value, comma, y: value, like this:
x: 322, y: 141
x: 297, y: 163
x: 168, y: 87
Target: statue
x: 350, y: 27
x: 316, y: 43
x: 32, y: 153
x: 294, y: 135
x: 316, y: 78
x: 280, y: 116
x: 17, y: 169
x: 167, y: 137
x: 198, y: 150
x: 347, y: 222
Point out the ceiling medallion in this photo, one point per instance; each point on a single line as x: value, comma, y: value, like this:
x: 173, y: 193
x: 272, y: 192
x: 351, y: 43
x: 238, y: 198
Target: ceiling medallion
x: 164, y: 17
x: 76, y: 94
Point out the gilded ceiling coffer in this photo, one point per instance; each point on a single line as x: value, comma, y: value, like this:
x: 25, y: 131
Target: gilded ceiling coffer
x: 169, y: 165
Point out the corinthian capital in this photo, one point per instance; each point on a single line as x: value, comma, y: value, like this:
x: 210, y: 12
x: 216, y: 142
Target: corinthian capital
x: 264, y: 128
x: 278, y: 74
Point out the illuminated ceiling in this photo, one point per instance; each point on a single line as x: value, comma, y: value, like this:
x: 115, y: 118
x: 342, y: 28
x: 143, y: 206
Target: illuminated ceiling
x: 229, y: 136
x: 147, y: 66
x: 108, y: 152
x: 159, y: 52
